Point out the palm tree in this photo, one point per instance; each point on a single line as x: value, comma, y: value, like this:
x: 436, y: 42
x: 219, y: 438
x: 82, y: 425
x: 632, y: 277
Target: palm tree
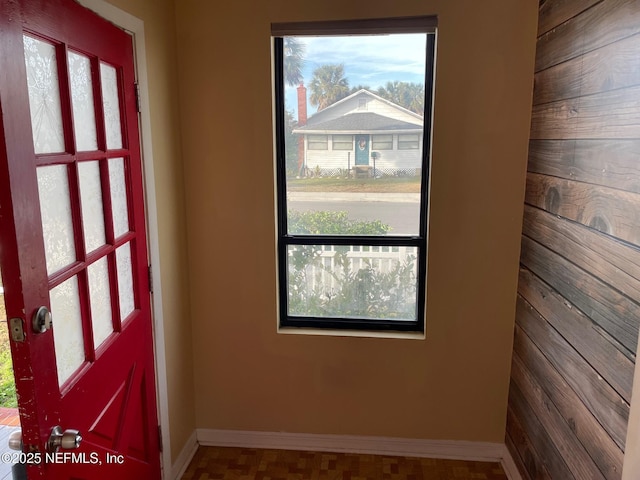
x: 357, y: 88
x: 405, y: 94
x: 328, y: 85
x: 293, y: 62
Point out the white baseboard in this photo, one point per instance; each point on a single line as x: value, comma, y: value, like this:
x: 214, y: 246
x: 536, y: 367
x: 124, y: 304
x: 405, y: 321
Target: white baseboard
x: 449, y: 449
x: 182, y: 462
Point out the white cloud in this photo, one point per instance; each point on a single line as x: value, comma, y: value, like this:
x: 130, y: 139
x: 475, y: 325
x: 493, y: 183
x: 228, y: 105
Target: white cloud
x: 369, y: 58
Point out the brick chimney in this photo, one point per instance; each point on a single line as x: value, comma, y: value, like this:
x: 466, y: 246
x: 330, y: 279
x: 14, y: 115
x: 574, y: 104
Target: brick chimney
x: 302, y: 105
x: 302, y: 120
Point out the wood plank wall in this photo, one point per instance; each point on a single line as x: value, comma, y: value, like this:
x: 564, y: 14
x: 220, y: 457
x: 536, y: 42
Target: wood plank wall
x: 578, y: 306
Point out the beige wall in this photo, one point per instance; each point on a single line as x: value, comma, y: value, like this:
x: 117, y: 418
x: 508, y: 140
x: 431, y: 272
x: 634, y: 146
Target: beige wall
x: 159, y: 23
x: 453, y: 385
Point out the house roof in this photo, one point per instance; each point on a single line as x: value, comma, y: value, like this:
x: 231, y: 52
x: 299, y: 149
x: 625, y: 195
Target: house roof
x: 362, y: 92
x: 361, y: 122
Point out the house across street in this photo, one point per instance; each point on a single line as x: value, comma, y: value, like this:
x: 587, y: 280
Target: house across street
x: 362, y: 133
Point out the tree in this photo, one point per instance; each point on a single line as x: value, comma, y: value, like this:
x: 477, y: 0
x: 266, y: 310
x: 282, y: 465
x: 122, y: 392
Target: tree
x: 328, y: 85
x: 293, y: 61
x: 405, y: 94
x: 291, y: 143
x: 357, y: 88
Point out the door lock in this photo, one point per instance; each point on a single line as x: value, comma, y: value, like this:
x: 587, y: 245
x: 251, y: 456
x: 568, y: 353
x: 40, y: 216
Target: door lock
x: 67, y: 440
x: 42, y: 320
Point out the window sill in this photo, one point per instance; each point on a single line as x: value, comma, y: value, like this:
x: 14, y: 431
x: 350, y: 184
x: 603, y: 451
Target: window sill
x: 351, y: 333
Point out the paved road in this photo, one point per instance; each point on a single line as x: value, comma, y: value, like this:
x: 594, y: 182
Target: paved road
x: 399, y: 211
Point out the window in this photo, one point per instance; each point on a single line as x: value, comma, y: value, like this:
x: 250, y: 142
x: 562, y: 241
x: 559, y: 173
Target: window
x: 342, y: 142
x: 349, y: 261
x: 382, y: 142
x: 408, y: 142
x: 318, y: 142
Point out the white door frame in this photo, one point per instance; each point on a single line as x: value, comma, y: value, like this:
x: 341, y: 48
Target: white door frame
x: 135, y: 27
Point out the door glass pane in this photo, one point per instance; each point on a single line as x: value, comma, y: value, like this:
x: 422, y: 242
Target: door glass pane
x: 84, y: 122
x: 111, y: 104
x: 44, y: 96
x: 100, y: 296
x: 67, y: 328
x: 125, y: 280
x: 57, y: 224
x: 118, y: 196
x: 351, y: 281
x: 341, y: 132
x: 92, y: 210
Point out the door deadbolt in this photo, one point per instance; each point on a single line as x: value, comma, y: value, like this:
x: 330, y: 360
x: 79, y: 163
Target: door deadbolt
x: 42, y: 320
x: 67, y: 440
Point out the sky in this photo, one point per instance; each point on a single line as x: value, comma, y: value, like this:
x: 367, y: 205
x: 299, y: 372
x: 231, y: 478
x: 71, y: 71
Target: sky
x: 368, y: 60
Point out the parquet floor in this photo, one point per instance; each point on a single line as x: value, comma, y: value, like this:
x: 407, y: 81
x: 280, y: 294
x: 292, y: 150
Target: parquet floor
x: 225, y: 463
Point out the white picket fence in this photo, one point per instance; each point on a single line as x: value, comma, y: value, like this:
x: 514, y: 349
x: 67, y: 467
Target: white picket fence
x: 324, y: 275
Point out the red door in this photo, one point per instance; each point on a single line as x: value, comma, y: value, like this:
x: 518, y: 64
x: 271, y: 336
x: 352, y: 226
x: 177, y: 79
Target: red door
x: 72, y: 240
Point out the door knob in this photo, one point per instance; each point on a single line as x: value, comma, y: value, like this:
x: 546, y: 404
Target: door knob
x: 42, y: 320
x: 15, y: 440
x: 67, y: 440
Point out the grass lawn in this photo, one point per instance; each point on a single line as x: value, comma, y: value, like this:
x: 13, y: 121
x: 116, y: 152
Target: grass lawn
x: 7, y: 383
x: 334, y: 184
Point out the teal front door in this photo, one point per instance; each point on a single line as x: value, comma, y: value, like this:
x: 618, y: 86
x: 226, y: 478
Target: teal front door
x: 362, y: 149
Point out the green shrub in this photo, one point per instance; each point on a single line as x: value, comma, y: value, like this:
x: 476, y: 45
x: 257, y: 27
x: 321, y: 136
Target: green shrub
x: 332, y: 223
x: 365, y: 292
x: 7, y: 383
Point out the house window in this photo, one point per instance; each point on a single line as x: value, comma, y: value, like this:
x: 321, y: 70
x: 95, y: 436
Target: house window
x: 317, y: 142
x: 344, y: 262
x: 342, y: 142
x: 408, y: 142
x: 382, y: 142
x: 362, y: 104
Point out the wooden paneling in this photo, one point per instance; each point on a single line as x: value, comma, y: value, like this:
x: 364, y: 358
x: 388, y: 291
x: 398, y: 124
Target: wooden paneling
x: 514, y: 451
x: 609, y: 68
x: 578, y: 306
x: 600, y: 399
x: 612, y: 114
x: 604, y: 451
x: 555, y: 12
x: 548, y: 454
x: 558, y: 431
x: 524, y: 454
x: 613, y: 262
x: 602, y: 162
x: 583, y: 334
x: 604, y: 23
x: 611, y: 211
x: 612, y: 311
